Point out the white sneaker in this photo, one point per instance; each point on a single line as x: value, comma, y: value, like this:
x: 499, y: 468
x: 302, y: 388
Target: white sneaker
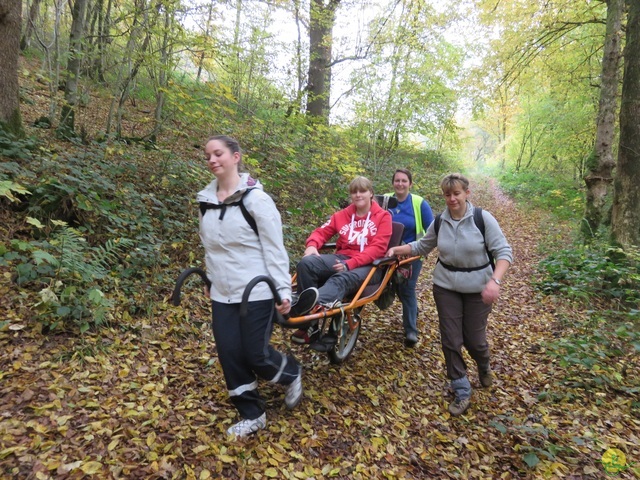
x: 246, y: 427
x: 294, y: 392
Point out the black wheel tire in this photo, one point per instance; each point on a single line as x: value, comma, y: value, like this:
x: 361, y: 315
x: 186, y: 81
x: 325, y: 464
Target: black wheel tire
x: 346, y: 338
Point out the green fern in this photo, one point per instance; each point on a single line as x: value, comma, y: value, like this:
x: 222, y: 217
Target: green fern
x: 106, y: 255
x: 71, y: 268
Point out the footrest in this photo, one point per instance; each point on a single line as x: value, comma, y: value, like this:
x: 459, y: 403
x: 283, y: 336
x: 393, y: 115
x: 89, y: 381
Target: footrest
x: 324, y: 344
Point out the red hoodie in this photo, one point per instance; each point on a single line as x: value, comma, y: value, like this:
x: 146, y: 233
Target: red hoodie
x: 349, y: 228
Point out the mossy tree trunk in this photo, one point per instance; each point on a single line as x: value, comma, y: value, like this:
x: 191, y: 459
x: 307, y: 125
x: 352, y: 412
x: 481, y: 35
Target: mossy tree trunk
x: 10, y: 24
x: 625, y: 220
x: 601, y: 161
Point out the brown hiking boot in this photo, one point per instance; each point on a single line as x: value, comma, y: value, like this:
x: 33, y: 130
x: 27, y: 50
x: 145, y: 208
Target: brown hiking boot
x: 459, y: 406
x: 486, y: 378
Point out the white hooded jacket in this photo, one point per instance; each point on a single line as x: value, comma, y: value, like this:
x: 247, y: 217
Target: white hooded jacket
x: 234, y: 254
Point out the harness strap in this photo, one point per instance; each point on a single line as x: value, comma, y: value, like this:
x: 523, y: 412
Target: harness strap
x: 461, y: 269
x: 479, y: 221
x: 204, y: 206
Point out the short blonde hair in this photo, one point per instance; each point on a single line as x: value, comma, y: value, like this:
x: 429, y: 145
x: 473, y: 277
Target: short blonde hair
x: 361, y: 184
x: 450, y: 182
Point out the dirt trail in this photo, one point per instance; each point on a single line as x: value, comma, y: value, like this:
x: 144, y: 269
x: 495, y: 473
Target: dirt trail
x: 146, y: 398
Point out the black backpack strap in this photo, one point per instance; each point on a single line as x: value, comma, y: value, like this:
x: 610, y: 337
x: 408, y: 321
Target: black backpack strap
x: 247, y: 216
x: 204, y: 206
x: 479, y: 221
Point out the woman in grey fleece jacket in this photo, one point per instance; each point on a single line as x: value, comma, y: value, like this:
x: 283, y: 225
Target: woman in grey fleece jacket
x: 464, y: 284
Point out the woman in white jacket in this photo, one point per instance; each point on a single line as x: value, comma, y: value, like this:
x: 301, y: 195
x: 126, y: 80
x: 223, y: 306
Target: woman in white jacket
x: 235, y: 252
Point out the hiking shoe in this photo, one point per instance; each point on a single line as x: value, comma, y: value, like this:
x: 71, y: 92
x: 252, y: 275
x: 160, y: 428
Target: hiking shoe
x: 459, y: 406
x: 303, y: 336
x: 246, y: 427
x: 410, y: 339
x: 325, y: 307
x: 486, y: 378
x: 304, y: 303
x: 294, y: 391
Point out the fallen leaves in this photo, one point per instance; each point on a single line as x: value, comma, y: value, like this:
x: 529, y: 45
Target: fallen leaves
x: 147, y: 399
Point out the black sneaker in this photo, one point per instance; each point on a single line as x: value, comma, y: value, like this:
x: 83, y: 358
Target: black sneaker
x: 411, y: 339
x: 305, y: 302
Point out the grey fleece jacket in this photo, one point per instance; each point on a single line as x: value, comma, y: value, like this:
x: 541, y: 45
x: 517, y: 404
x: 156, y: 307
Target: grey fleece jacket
x: 234, y: 254
x: 460, y: 244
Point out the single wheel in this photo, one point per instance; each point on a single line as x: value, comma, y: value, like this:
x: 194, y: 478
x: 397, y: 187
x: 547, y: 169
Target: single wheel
x: 346, y: 328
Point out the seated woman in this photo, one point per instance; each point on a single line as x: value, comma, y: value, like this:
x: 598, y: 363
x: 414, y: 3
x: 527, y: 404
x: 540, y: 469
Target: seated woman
x: 364, y: 231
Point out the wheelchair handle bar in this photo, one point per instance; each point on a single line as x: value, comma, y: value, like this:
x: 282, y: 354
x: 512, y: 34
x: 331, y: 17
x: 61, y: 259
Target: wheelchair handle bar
x: 247, y: 291
x: 175, y: 297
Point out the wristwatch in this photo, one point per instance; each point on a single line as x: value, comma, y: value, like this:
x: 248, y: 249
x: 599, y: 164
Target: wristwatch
x: 496, y: 280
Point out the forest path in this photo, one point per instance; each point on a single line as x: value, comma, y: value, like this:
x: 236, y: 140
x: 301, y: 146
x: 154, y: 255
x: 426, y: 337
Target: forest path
x: 146, y: 398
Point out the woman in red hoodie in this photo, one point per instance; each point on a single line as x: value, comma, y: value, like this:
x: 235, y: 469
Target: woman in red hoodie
x: 364, y: 230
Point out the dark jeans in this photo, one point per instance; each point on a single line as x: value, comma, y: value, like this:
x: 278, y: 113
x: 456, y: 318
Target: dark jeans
x: 245, y: 353
x: 407, y: 295
x: 463, y: 322
x: 317, y: 271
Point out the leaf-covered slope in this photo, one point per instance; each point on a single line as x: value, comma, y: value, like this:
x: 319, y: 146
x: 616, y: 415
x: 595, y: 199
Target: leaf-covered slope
x: 146, y: 398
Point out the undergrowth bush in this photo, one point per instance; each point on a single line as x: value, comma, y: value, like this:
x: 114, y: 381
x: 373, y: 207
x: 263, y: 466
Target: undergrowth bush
x: 66, y: 272
x: 563, y: 197
x: 606, y: 280
x: 105, y: 225
x: 595, y: 272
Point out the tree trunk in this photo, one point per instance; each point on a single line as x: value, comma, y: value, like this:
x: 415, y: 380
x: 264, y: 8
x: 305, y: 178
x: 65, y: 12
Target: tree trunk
x: 67, y: 115
x: 601, y: 162
x: 124, y: 84
x: 10, y: 23
x: 296, y: 106
x: 625, y: 221
x: 237, y: 65
x: 104, y: 24
x: 322, y: 18
x: 165, y: 54
x: 25, y: 42
x: 207, y: 33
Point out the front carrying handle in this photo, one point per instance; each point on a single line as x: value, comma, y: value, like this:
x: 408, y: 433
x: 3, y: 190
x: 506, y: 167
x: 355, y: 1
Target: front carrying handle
x: 175, y: 297
x: 244, y: 305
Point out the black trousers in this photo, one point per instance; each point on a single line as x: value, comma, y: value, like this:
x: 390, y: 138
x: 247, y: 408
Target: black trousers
x: 245, y: 353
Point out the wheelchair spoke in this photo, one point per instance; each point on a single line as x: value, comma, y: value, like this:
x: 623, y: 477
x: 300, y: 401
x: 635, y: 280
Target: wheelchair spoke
x: 346, y: 328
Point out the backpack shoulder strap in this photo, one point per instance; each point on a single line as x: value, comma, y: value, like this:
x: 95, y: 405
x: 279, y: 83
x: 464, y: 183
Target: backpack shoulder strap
x: 223, y: 207
x: 245, y: 213
x: 479, y: 221
x: 436, y: 223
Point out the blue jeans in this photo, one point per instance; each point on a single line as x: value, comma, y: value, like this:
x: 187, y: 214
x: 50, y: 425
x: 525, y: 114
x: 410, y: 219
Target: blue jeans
x: 407, y: 295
